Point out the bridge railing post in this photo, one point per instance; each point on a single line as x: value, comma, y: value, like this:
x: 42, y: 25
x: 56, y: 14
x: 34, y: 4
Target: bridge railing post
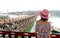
x: 3, y: 35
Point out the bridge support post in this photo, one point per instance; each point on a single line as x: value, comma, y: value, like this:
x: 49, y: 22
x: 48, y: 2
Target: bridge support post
x: 22, y: 36
x: 29, y: 36
x: 3, y: 35
x: 9, y: 35
x: 16, y: 36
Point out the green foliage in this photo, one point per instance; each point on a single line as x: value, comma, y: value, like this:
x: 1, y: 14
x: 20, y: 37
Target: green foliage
x: 3, y: 17
x: 1, y: 26
x: 54, y: 31
x: 29, y: 27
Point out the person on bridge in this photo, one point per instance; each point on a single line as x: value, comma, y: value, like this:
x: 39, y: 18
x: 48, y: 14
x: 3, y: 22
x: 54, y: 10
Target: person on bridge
x: 43, y: 27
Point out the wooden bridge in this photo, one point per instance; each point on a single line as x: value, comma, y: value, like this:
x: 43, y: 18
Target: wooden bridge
x: 17, y: 24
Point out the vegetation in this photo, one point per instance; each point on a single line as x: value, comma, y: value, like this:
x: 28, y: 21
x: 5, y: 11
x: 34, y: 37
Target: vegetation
x: 54, y: 31
x: 3, y: 17
x: 28, y: 29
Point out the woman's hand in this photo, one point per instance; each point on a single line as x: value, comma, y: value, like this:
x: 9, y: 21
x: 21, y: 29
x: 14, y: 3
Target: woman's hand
x: 50, y: 32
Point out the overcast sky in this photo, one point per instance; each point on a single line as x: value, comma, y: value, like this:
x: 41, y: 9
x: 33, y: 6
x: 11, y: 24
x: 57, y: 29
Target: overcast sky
x: 24, y: 5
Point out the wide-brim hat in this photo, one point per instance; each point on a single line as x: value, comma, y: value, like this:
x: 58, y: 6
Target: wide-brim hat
x: 44, y: 14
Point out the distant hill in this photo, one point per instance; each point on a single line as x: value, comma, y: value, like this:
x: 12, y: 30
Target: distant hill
x: 6, y: 15
x: 23, y: 12
x: 14, y: 13
x: 55, y: 13
x: 3, y: 16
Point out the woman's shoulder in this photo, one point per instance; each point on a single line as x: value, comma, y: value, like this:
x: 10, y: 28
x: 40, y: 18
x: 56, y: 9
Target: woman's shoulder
x: 38, y: 21
x: 42, y: 22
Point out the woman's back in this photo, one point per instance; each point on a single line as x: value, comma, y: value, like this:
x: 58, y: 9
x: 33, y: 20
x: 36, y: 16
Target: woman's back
x: 43, y: 29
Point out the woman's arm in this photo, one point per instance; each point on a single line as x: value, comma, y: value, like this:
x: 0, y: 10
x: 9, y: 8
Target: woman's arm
x: 50, y: 28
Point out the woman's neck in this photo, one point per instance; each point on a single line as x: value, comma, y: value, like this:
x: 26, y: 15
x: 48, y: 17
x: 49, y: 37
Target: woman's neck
x: 44, y: 19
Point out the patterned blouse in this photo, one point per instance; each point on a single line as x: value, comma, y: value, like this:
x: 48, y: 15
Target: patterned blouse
x: 43, y: 29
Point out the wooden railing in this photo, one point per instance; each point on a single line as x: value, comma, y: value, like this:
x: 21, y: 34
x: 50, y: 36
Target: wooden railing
x: 16, y: 34
x: 55, y: 35
x: 22, y: 34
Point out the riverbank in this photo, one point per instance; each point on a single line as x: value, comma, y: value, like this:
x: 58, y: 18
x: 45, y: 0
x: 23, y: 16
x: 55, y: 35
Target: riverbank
x: 28, y: 29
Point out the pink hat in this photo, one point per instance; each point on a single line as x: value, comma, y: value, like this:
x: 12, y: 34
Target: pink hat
x: 44, y: 14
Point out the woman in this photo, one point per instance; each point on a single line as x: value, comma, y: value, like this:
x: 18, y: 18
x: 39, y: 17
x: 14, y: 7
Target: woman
x: 43, y: 27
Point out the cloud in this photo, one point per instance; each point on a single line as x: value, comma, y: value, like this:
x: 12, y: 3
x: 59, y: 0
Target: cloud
x: 23, y: 5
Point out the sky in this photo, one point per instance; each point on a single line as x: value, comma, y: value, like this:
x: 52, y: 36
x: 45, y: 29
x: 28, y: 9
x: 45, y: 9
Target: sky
x: 25, y: 5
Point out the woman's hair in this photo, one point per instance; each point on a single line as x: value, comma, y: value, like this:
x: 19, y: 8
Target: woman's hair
x: 44, y: 19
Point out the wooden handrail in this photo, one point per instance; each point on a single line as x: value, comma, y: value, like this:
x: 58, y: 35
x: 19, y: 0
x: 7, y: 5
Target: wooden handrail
x: 29, y: 34
x: 18, y: 34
